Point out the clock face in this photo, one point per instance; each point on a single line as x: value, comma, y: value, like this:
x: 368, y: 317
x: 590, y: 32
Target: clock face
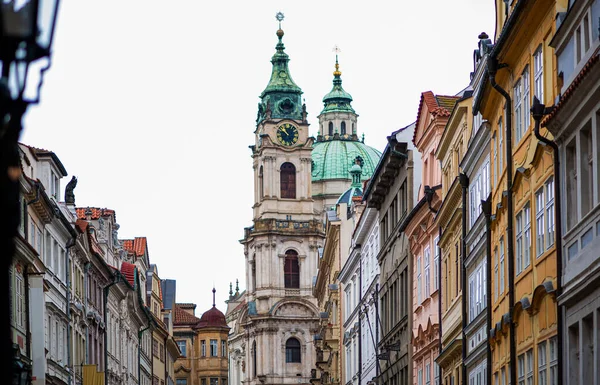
x: 287, y: 134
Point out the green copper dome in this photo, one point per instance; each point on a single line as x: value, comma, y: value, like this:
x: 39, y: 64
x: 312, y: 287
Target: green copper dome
x: 337, y: 100
x: 282, y: 97
x: 334, y: 159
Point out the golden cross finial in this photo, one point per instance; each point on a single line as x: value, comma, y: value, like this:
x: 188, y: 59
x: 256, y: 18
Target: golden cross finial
x: 337, y: 50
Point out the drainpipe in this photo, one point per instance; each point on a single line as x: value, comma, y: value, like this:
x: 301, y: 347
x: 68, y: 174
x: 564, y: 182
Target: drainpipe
x: 486, y: 207
x: 538, y: 111
x: 68, y: 246
x: 116, y: 279
x: 493, y: 67
x: 429, y: 197
x: 464, y: 184
x: 439, y: 301
x: 376, y: 303
x: 359, y: 322
x: 86, y: 271
x: 140, y: 333
x: 27, y: 315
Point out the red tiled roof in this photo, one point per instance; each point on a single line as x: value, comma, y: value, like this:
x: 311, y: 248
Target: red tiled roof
x: 128, y: 271
x: 182, y: 317
x: 96, y: 213
x: 136, y: 246
x: 81, y: 225
x: 128, y: 244
x: 587, y: 68
x: 440, y: 105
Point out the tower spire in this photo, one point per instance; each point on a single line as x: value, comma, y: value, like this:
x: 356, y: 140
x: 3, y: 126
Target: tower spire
x: 214, y: 291
x: 337, y: 100
x: 281, y: 97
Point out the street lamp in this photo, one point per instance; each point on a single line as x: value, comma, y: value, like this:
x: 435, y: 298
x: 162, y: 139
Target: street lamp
x: 26, y: 34
x: 21, y: 375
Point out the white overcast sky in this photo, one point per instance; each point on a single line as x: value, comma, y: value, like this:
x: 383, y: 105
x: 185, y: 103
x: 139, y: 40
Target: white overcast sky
x: 152, y: 105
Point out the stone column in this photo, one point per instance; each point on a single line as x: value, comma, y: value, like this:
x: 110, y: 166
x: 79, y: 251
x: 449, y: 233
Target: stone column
x: 37, y: 316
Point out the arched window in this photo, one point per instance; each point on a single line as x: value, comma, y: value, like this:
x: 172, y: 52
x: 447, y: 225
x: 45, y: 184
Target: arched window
x: 330, y: 129
x: 254, y: 374
x: 261, y: 188
x: 292, y: 350
x: 292, y: 270
x: 288, y: 181
x: 343, y: 129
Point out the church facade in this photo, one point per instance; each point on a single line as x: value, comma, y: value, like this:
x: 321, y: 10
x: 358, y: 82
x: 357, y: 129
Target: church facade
x: 296, y: 178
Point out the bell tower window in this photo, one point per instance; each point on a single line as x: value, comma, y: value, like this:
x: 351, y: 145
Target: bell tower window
x: 292, y: 270
x: 261, y: 185
x: 330, y: 128
x: 343, y: 128
x: 288, y: 181
x: 254, y: 366
x: 253, y: 278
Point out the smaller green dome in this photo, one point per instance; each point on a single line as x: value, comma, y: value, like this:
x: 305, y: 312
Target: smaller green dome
x: 337, y: 100
x: 347, y: 196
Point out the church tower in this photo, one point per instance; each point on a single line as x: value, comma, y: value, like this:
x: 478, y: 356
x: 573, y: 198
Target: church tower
x: 280, y: 315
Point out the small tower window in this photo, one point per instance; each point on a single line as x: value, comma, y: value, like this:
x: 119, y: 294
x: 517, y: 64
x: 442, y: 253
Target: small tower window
x: 254, y: 273
x: 291, y: 270
x: 261, y: 191
x: 343, y: 129
x: 288, y: 181
x: 330, y: 128
x: 292, y: 350
x: 254, y: 366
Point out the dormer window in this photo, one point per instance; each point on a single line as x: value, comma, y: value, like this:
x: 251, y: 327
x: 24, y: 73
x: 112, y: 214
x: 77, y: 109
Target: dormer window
x: 54, y: 186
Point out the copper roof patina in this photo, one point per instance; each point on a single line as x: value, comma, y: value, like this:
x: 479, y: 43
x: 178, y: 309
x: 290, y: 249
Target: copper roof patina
x: 333, y: 159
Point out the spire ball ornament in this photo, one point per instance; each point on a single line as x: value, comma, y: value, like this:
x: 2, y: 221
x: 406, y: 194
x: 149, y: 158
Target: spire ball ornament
x: 279, y: 16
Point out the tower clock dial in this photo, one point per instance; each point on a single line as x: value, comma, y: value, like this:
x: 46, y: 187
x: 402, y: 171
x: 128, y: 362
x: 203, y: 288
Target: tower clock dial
x: 287, y: 134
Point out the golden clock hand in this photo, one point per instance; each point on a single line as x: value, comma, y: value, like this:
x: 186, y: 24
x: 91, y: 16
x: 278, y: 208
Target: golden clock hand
x: 284, y: 130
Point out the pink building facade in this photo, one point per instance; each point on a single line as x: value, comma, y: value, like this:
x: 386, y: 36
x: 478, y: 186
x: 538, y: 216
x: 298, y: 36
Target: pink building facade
x: 423, y: 235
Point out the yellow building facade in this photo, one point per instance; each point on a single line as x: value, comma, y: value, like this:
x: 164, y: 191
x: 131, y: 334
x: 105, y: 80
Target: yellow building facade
x: 203, y: 343
x: 520, y: 66
x: 164, y: 347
